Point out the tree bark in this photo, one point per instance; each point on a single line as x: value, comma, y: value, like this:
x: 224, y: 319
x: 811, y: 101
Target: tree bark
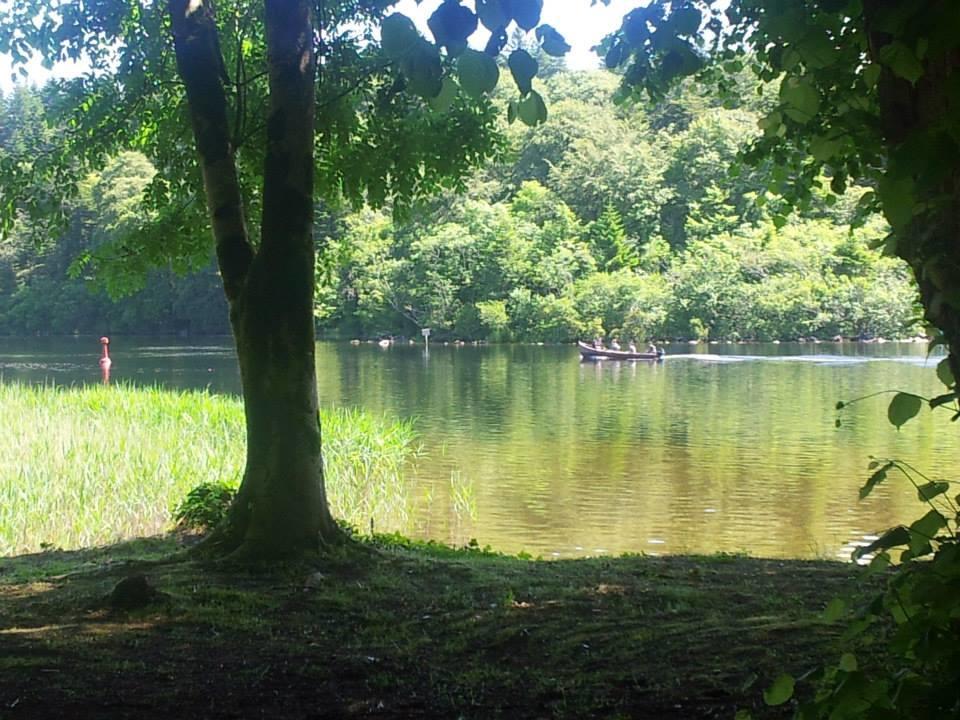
x: 281, y: 507
x: 931, y: 242
x: 200, y: 65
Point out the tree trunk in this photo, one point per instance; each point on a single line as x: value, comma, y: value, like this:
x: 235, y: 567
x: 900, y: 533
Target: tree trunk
x: 281, y: 507
x: 930, y: 243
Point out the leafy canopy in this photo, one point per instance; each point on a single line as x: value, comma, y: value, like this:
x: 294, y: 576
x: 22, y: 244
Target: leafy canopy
x: 817, y: 53
x: 399, y: 116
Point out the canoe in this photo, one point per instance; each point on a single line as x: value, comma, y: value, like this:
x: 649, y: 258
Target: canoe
x: 589, y: 352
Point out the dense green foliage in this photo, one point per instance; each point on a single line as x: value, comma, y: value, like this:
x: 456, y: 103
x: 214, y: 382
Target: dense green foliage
x: 52, y: 278
x: 600, y: 222
x: 205, y: 506
x: 616, y: 222
x: 87, y: 466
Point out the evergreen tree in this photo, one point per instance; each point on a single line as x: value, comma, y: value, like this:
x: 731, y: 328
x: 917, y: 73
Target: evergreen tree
x: 609, y: 243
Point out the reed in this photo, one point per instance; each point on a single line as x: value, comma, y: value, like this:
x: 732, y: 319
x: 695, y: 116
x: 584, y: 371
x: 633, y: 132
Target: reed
x: 93, y: 465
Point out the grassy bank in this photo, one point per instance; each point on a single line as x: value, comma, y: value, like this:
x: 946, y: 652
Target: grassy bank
x: 88, y: 466
x: 407, y: 632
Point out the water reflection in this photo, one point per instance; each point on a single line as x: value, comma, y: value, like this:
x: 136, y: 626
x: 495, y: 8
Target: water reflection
x: 733, y: 449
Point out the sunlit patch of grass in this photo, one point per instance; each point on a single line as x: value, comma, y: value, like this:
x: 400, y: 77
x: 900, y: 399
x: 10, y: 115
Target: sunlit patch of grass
x: 88, y: 466
x: 365, y: 457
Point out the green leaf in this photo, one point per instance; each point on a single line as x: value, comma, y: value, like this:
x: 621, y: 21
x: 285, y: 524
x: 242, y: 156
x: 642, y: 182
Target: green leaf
x: 513, y: 110
x: 945, y: 373
x: 878, y: 565
x: 523, y: 68
x: 771, y: 123
x: 889, y: 247
x: 903, y: 407
x: 492, y: 14
x: 686, y: 20
x: 423, y: 70
x: 478, y: 73
x: 867, y: 199
x: 398, y: 36
x: 790, y: 59
x: 496, y: 43
x: 526, y: 12
x: 617, y: 53
x: 921, y: 533
x: 634, y: 27
x: 779, y: 221
x: 451, y: 25
x: 800, y: 98
x: 680, y: 61
x: 552, y: 42
x: 848, y: 662
x: 824, y: 147
x: 780, y: 691
x: 892, y: 538
x: 817, y: 50
x: 897, y: 198
x: 901, y: 60
x: 871, y: 74
x: 448, y: 93
x: 532, y: 109
x: 834, y: 610
x: 878, y: 477
x: 931, y: 523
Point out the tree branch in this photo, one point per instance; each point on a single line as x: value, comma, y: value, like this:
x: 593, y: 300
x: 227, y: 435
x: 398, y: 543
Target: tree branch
x: 200, y: 65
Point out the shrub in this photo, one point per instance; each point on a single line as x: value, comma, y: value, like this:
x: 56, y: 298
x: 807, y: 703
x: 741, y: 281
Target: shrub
x: 205, y: 506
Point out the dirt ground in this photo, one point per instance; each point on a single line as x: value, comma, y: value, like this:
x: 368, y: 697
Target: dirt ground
x: 407, y: 632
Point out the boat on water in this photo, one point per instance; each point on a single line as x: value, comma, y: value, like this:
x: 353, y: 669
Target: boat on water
x: 589, y: 352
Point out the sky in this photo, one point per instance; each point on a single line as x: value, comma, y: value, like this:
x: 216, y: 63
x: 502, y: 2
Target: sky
x: 583, y: 27
x: 580, y: 24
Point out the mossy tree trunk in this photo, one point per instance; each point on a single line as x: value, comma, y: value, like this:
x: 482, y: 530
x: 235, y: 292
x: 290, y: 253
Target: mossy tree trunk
x: 281, y: 507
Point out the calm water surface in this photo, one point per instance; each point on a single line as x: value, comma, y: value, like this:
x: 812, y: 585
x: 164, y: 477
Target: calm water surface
x: 719, y: 448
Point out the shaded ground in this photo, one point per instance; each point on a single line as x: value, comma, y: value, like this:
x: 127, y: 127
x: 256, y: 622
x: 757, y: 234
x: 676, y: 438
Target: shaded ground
x: 408, y: 633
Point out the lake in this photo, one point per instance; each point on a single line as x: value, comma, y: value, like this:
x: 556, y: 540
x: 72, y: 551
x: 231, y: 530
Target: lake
x: 720, y: 448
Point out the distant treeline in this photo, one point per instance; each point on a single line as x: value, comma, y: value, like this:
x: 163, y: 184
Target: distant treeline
x: 604, y: 221
x: 619, y: 221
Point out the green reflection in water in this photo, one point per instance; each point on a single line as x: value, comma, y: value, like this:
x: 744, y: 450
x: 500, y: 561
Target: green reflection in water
x: 701, y: 454
x: 697, y: 454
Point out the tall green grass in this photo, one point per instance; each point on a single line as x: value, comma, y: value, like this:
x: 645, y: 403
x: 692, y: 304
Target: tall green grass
x: 87, y: 466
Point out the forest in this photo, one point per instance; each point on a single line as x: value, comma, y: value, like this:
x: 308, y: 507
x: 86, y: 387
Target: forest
x: 751, y: 169
x: 604, y: 221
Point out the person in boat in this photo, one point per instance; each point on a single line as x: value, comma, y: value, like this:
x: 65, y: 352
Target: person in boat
x: 615, y: 344
x: 652, y: 348
x: 598, y: 343
x: 633, y: 346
